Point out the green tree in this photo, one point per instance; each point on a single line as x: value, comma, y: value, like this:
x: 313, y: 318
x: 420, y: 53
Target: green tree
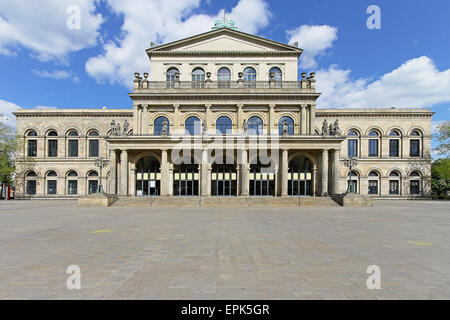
x: 443, y: 138
x: 440, y: 173
x: 8, y: 149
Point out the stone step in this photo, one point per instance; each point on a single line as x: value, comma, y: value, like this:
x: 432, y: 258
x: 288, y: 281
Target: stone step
x: 225, y: 202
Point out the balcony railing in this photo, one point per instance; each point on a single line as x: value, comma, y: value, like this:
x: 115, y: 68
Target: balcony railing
x: 306, y: 85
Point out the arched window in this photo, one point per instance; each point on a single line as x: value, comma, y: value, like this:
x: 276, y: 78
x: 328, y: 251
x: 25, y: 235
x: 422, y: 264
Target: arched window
x: 223, y: 125
x: 30, y: 186
x: 52, y: 144
x: 249, y: 78
x: 290, y: 125
x: 374, y: 143
x: 255, y: 125
x: 414, y: 144
x: 394, y: 183
x: 160, y: 124
x: 276, y: 73
x: 93, y: 133
x: 51, y: 183
x: 32, y: 133
x: 374, y: 182
x: 72, y: 183
x: 172, y: 75
x: 300, y: 177
x: 72, y: 150
x: 148, y: 177
x: 198, y: 78
x: 92, y: 182
x: 352, y: 144
x: 276, y: 76
x: 224, y: 77
x: 352, y: 182
x: 415, y: 183
x: 32, y: 144
x: 192, y: 125
x: 394, y: 144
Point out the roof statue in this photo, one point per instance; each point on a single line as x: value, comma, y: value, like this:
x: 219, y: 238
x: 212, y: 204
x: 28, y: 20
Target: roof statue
x: 224, y: 23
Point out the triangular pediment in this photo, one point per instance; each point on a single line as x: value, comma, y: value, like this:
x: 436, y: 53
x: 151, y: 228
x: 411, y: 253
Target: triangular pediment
x: 225, y: 40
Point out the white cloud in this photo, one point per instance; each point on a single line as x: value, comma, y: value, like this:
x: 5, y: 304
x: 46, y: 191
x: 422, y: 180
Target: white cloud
x: 41, y: 26
x: 6, y: 110
x: 314, y: 40
x: 416, y: 83
x: 162, y: 21
x: 56, y: 74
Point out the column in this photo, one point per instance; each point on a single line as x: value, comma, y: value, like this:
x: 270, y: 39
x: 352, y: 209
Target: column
x: 164, y: 174
x: 208, y: 117
x: 314, y: 181
x: 145, y: 119
x: 204, y: 182
x: 303, y: 120
x: 176, y: 117
x: 324, y: 173
x: 284, y: 173
x: 135, y: 119
x: 132, y: 187
x: 240, y: 118
x: 238, y: 184
x: 272, y: 120
x: 113, y: 172
x: 312, y: 118
x: 124, y: 173
x: 244, y: 172
x: 335, y: 172
x: 170, y: 182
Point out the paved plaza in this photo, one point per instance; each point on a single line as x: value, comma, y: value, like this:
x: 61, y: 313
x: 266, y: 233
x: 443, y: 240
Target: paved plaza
x: 224, y: 253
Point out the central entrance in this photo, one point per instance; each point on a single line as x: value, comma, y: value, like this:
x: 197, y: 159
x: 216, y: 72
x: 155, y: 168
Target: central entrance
x: 261, y: 180
x: 148, y: 177
x: 300, y: 177
x: 186, y: 179
x: 223, y: 180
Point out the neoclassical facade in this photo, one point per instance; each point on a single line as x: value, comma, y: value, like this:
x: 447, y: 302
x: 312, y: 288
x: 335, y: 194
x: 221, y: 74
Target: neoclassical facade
x: 224, y: 114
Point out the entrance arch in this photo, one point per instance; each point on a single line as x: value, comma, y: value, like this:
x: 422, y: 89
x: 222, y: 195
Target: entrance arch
x: 186, y: 179
x: 261, y: 179
x: 148, y: 177
x: 223, y: 179
x: 300, y: 177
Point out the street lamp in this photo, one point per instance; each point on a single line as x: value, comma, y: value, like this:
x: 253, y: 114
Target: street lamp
x: 350, y: 163
x: 101, y: 163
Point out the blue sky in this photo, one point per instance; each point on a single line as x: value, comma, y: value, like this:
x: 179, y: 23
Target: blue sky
x: 404, y: 64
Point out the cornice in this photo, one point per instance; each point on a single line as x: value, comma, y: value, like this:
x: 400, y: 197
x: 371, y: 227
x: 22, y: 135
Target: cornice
x: 223, y: 53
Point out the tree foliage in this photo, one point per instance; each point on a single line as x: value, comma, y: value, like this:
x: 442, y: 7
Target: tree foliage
x: 8, y: 151
x: 443, y: 138
x: 440, y: 173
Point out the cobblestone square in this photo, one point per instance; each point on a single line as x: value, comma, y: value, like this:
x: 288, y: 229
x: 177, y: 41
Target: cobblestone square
x: 224, y: 253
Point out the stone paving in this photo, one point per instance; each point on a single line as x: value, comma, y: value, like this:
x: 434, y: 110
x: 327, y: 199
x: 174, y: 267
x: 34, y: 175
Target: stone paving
x: 224, y: 253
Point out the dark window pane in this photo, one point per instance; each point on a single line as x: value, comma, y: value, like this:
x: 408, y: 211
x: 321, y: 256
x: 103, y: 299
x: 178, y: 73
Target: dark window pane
x: 51, y: 187
x: 73, y: 148
x: 31, y: 187
x: 414, y: 187
x: 72, y: 187
x: 393, y: 187
x: 93, y: 148
x: 373, y: 187
x: 394, y: 148
x: 414, y: 148
x: 223, y: 125
x: 352, y: 147
x: 52, y: 148
x: 32, y: 148
x: 373, y: 147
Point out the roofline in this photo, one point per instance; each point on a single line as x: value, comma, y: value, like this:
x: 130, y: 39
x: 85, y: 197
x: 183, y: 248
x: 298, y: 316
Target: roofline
x: 295, y: 49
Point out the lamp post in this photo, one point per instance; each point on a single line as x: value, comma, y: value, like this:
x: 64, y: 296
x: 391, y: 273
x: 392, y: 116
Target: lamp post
x: 101, y: 163
x: 350, y: 163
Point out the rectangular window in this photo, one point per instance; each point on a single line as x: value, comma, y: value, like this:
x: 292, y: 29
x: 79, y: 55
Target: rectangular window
x: 414, y: 187
x: 32, y: 148
x: 31, y: 187
x: 393, y: 187
x: 52, y: 148
x: 373, y: 187
x: 93, y: 148
x: 414, y: 148
x: 394, y: 148
x: 51, y: 187
x: 92, y: 186
x: 73, y: 148
x: 72, y: 187
x: 373, y: 147
x: 352, y: 147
